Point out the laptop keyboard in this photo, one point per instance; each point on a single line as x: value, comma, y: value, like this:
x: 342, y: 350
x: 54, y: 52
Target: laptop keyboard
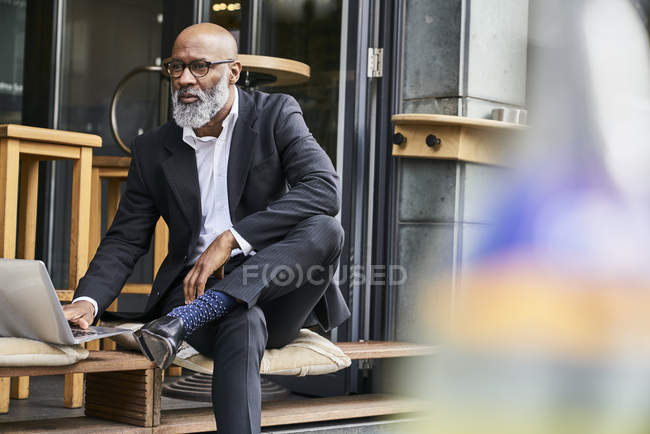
x: 80, y: 333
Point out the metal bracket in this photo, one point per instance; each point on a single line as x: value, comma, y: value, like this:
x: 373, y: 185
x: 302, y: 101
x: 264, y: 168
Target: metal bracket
x: 375, y: 62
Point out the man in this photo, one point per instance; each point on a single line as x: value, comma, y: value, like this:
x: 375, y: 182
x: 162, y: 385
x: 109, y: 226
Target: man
x: 250, y: 199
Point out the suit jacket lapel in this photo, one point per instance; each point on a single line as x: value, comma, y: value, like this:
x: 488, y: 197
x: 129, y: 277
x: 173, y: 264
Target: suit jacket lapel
x: 244, y: 138
x: 181, y: 173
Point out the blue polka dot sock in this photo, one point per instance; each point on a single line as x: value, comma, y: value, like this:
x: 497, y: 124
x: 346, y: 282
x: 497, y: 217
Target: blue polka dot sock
x: 209, y: 307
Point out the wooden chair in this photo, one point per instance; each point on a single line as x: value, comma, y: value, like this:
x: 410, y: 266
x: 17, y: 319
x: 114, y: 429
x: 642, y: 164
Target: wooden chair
x: 114, y: 170
x: 21, y: 149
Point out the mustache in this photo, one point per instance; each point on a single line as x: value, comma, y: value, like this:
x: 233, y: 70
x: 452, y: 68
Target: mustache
x: 188, y: 91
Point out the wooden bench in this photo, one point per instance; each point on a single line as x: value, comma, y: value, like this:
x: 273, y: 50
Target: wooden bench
x: 123, y: 394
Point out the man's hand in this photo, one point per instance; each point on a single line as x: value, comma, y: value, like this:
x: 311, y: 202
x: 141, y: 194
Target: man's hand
x: 80, y: 313
x: 210, y: 262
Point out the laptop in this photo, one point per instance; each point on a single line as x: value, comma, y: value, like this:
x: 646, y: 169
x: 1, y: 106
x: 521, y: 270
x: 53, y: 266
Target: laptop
x: 29, y: 307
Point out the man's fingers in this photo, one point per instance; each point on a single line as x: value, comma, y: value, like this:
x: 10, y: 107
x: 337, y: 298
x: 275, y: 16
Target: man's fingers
x: 200, y: 284
x: 78, y: 317
x: 82, y: 322
x: 69, y: 314
x: 188, y: 285
x: 219, y: 274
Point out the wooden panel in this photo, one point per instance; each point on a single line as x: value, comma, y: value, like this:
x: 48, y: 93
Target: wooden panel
x: 161, y: 239
x: 117, y: 174
x: 4, y: 395
x: 111, y: 162
x: 28, y: 207
x: 112, y: 201
x: 20, y: 388
x: 65, y: 294
x: 447, y: 120
x: 97, y: 361
x: 416, y: 145
x: 73, y: 393
x: 475, y: 140
x: 295, y: 411
x: 51, y: 136
x: 9, y: 161
x: 382, y: 350
x: 93, y: 345
x: 174, y: 371
x: 95, y: 235
x: 112, y: 307
x: 47, y: 151
x: 137, y: 288
x: 109, y: 344
x: 80, y: 217
x: 129, y: 398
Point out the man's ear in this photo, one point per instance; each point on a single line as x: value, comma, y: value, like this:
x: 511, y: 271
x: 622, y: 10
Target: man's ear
x: 235, y: 70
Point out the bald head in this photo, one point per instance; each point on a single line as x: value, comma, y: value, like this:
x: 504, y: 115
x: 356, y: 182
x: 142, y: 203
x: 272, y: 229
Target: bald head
x: 212, y: 40
x: 203, y: 96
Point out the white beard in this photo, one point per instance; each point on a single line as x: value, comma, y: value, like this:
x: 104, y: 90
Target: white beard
x: 199, y: 113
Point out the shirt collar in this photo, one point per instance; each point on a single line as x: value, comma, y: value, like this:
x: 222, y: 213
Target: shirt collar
x: 190, y: 137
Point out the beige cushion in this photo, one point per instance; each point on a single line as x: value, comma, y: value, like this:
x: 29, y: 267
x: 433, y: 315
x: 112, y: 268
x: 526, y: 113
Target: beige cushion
x: 27, y: 352
x: 308, y: 354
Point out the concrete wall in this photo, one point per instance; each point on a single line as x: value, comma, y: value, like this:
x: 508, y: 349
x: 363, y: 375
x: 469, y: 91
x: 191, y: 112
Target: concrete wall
x: 461, y: 58
x: 464, y: 57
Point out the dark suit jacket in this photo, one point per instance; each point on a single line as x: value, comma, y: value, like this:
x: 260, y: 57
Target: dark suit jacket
x: 277, y: 176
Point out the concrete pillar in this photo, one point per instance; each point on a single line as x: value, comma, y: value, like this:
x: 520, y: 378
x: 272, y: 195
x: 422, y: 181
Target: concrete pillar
x: 464, y: 58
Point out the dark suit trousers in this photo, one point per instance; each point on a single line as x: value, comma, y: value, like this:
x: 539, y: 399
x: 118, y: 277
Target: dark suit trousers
x: 237, y: 341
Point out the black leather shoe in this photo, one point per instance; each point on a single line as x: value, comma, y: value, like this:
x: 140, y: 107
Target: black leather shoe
x: 160, y: 339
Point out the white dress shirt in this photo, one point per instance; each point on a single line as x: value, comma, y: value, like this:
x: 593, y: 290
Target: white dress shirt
x: 212, y: 167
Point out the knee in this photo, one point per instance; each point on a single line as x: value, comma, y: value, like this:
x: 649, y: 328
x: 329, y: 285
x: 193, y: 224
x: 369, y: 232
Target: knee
x: 326, y: 236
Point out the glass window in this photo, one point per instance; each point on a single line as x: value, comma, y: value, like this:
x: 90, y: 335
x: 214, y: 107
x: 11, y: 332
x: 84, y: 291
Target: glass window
x: 227, y: 14
x: 308, y: 31
x: 102, y: 42
x: 12, y: 49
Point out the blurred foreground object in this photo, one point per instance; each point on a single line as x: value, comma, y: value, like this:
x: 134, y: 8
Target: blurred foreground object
x: 548, y: 331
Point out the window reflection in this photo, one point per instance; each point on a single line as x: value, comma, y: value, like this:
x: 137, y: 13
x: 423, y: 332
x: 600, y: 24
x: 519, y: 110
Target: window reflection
x: 103, y: 41
x: 308, y: 31
x: 12, y: 48
x: 228, y: 14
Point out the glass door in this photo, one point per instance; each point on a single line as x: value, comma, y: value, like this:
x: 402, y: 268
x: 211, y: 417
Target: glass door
x: 12, y: 48
x: 98, y: 44
x: 340, y: 105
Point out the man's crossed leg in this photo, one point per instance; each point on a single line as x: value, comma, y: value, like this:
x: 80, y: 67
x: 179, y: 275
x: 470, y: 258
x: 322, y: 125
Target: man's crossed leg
x: 273, y: 309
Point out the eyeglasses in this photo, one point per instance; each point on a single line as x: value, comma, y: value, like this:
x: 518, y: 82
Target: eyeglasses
x: 198, y: 68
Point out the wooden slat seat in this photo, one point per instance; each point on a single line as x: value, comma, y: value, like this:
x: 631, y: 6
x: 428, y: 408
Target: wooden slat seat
x: 115, y: 361
x: 385, y: 349
x: 97, y: 361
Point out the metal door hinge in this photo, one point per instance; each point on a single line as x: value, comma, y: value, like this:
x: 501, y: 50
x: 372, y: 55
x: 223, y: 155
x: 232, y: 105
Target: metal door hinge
x: 375, y: 62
